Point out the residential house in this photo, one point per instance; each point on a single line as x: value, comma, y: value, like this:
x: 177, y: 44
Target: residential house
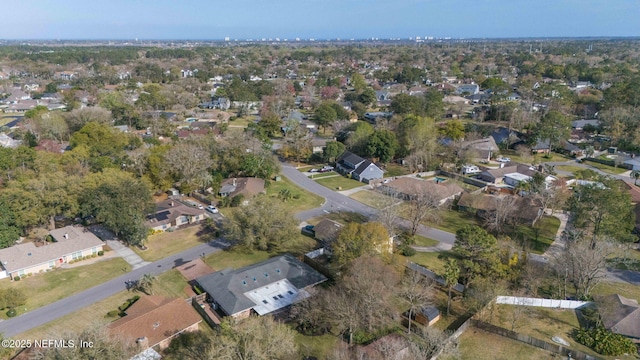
x: 632, y: 163
x: 506, y: 137
x: 326, y: 231
x: 468, y: 89
x: 318, y: 145
x: 484, y: 206
x: 357, y: 167
x: 453, y: 99
x: 634, y: 191
x: 580, y: 124
x: 418, y: 91
x: 542, y: 146
x: 383, y: 95
x: 445, y: 87
x: 70, y: 243
x: 173, y: 214
x: 8, y: 142
x: 620, y: 315
x: 409, y: 188
x: 219, y: 103
x: 484, y: 148
x: 375, y: 116
x: 247, y: 187
x: 261, y: 288
x: 155, y: 321
x: 65, y: 75
x: 496, y: 176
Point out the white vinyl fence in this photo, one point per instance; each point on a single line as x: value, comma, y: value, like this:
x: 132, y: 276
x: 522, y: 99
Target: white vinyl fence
x: 548, y: 303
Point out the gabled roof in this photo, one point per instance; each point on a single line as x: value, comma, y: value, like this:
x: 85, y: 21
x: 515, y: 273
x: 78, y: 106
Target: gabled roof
x: 69, y: 239
x: 230, y: 288
x: 349, y: 158
x: 510, y: 168
x: 327, y: 230
x: 363, y: 166
x: 248, y: 187
x: 411, y: 187
x: 169, y: 210
x: 155, y: 318
x: 524, y: 208
x: 486, y: 143
x: 620, y: 315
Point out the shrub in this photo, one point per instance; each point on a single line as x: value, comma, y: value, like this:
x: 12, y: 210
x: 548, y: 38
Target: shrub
x: 112, y: 313
x: 197, y: 290
x: 16, y: 278
x: 605, y: 342
x: 12, y: 312
x: 407, y: 251
x: 100, y: 253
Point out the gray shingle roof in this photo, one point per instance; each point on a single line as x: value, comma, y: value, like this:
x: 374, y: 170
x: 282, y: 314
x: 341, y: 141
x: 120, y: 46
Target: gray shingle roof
x: 23, y: 256
x: 227, y: 287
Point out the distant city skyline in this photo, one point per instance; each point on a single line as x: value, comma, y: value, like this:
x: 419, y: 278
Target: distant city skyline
x: 321, y: 19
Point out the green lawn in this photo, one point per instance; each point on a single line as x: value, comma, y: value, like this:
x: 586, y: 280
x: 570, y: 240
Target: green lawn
x: 242, y: 121
x: 430, y: 260
x: 625, y: 289
x: 307, y: 168
x: 373, y: 198
x: 323, y: 175
x: 339, y: 183
x: 452, y: 221
x: 302, y: 200
x: 396, y: 170
x: 607, y: 168
x: 235, y: 259
x: 45, y: 288
x: 168, y: 243
x: 171, y: 284
x: 319, y: 347
x: 420, y: 240
x: 534, y: 158
x: 540, y: 236
x: 475, y: 344
x: 569, y: 168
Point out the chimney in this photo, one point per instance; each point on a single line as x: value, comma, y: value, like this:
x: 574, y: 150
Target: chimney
x: 171, y: 204
x: 143, y: 342
x: 66, y: 236
x: 501, y: 165
x: 234, y: 181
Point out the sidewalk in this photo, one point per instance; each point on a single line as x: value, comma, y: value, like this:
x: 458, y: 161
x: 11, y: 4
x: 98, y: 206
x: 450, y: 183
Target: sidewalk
x: 558, y: 244
x: 127, y: 254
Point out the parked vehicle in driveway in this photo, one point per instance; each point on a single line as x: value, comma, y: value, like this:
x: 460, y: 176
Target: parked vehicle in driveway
x: 314, y: 170
x: 470, y: 169
x: 212, y: 209
x: 503, y: 159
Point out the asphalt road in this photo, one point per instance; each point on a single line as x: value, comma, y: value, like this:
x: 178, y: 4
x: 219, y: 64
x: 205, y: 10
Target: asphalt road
x: 45, y: 314
x: 337, y: 202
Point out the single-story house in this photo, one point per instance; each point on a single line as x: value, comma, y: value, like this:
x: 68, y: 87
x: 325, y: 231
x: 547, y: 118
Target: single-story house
x: 515, y: 179
x: 326, y: 231
x: 155, y: 321
x: 620, y: 315
x: 541, y: 147
x: 359, y: 168
x: 470, y: 89
x: 70, y: 243
x: 247, y: 187
x: 173, y: 214
x: 485, y: 147
x: 7, y: 141
x: 373, y: 117
x: 427, y: 315
x: 580, y: 124
x: 261, y: 288
x: 633, y: 163
x: 484, y: 205
x: 408, y: 188
x: 496, y: 176
x: 318, y: 145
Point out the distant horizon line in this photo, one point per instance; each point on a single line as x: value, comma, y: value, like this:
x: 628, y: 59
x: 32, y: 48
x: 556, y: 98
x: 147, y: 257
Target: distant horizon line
x: 325, y: 39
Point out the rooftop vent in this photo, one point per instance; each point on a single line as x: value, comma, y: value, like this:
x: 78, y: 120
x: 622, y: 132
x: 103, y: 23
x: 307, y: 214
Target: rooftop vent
x: 155, y: 325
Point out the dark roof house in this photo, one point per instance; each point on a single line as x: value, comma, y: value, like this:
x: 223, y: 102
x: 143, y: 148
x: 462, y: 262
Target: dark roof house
x: 359, y: 168
x: 620, y: 315
x: 327, y: 231
x: 260, y: 288
x: 247, y: 187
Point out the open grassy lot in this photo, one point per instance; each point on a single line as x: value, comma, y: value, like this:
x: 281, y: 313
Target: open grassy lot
x: 302, y: 200
x: 235, y: 259
x: 319, y: 347
x: 171, y: 284
x: 541, y: 323
x: 475, y: 344
x: 534, y: 158
x: 373, y: 198
x: 45, y: 288
x: 307, y: 168
x: 241, y: 121
x: 451, y: 221
x: 539, y: 237
x: 625, y: 289
x: 77, y: 321
x: 430, y: 260
x: 395, y: 170
x: 569, y: 168
x: 606, y: 168
x: 315, y: 176
x: 168, y: 243
x: 420, y: 240
x: 339, y: 183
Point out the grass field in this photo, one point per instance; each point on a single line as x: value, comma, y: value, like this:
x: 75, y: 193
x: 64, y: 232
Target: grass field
x: 319, y: 347
x: 452, y: 221
x: 475, y: 344
x: 541, y: 323
x: 315, y: 176
x: 45, y: 288
x: 625, y: 289
x: 168, y: 243
x: 534, y: 158
x: 339, y: 183
x: 539, y: 237
x: 235, y: 259
x: 606, y: 168
x: 420, y: 240
x: 569, y: 168
x: 373, y: 198
x: 302, y: 200
x: 395, y: 170
x: 430, y: 260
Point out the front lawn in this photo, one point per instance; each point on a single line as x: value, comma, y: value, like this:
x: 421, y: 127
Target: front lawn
x: 373, y: 198
x: 539, y: 237
x: 452, y: 221
x: 168, y: 243
x: 391, y: 170
x: 569, y: 168
x: 235, y: 259
x: 339, y: 183
x: 319, y: 347
x: 170, y: 284
x: 606, y: 168
x: 431, y: 260
x: 419, y: 240
x: 45, y: 288
x: 301, y: 200
x: 475, y: 344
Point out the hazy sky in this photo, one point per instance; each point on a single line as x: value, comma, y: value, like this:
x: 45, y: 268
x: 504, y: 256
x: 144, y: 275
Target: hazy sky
x: 214, y: 19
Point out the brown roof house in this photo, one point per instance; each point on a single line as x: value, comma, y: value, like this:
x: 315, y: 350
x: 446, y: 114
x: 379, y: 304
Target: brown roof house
x: 71, y: 243
x: 173, y: 214
x: 247, y: 187
x: 326, y: 231
x: 620, y: 315
x: 155, y: 320
x: 484, y: 206
x: 509, y: 171
x: 408, y: 188
x: 484, y: 148
x: 261, y: 288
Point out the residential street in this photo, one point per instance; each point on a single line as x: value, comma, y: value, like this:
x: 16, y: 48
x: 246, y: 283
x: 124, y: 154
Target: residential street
x: 45, y: 314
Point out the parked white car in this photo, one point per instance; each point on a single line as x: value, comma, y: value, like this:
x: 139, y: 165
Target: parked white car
x: 212, y: 209
x: 470, y: 169
x: 503, y: 159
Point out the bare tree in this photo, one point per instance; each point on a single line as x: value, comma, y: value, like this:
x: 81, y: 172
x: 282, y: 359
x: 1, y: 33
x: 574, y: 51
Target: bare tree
x: 105, y: 346
x: 424, y: 205
x: 417, y: 291
x: 505, y: 206
x: 389, y: 212
x: 429, y: 343
x: 583, y: 262
x: 187, y: 161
